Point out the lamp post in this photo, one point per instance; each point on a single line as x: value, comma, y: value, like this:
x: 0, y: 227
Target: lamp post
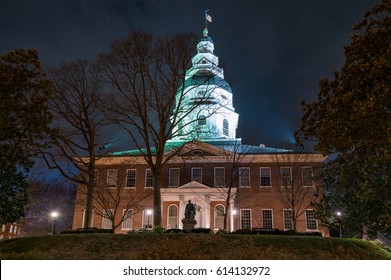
x: 54, y: 216
x: 339, y: 214
x: 149, y: 213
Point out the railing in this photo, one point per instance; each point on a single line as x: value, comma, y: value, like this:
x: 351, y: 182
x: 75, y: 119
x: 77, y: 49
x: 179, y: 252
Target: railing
x: 384, y: 240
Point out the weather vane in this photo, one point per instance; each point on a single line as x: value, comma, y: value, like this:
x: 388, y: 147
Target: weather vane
x: 208, y: 18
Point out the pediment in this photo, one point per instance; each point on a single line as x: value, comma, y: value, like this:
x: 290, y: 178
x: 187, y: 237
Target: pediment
x: 194, y: 185
x: 197, y: 148
x: 204, y: 60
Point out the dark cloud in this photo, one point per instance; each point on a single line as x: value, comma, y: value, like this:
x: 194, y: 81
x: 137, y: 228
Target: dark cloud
x: 275, y: 51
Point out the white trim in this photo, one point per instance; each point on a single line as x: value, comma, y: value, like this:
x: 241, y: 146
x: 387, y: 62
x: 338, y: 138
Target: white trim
x: 272, y: 217
x: 240, y: 218
x: 242, y: 177
x: 148, y: 170
x: 215, y: 215
x: 130, y: 216
x: 283, y: 218
x: 312, y: 176
x: 105, y: 220
x: 260, y: 177
x: 112, y: 181
x: 177, y: 177
x: 214, y: 173
x: 306, y: 220
x: 192, y: 175
x: 281, y: 177
x: 135, y: 178
x: 168, y: 216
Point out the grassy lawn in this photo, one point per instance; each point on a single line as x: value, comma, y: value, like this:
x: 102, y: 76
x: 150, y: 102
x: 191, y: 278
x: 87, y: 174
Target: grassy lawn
x: 188, y: 246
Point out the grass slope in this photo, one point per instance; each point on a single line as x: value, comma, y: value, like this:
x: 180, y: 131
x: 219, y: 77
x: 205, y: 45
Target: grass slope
x: 188, y: 246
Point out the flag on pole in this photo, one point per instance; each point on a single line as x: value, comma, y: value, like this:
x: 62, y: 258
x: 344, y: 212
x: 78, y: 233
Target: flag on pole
x: 208, y: 17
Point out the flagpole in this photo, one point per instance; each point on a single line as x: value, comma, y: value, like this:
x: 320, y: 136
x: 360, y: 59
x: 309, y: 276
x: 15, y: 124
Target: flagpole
x: 206, y: 20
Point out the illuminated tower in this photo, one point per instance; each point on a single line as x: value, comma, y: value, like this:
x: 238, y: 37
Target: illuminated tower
x: 209, y: 96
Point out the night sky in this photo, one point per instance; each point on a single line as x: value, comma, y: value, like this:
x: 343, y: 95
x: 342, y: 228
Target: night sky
x: 275, y: 51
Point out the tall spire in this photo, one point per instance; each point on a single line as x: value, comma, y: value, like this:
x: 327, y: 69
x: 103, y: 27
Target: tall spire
x: 214, y: 118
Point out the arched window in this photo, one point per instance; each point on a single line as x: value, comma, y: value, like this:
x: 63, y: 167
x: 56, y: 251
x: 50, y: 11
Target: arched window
x: 172, y: 216
x: 225, y: 127
x: 219, y: 216
x: 202, y: 120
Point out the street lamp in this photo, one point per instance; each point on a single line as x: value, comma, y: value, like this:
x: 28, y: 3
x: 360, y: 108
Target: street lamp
x: 54, y: 216
x: 339, y: 214
x: 149, y: 213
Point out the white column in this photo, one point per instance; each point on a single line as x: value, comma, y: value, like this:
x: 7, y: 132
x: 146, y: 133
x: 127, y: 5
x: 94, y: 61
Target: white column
x: 207, y: 211
x: 181, y: 212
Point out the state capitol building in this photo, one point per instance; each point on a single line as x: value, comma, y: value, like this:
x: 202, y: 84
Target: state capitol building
x: 233, y: 185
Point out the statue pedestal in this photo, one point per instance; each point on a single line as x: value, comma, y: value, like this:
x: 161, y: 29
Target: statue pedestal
x: 188, y: 224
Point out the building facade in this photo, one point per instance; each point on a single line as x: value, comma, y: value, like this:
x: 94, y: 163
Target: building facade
x: 10, y: 230
x: 233, y: 185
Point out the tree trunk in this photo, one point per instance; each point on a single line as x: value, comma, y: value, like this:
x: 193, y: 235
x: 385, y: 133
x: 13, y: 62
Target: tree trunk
x: 90, y: 193
x: 227, y: 204
x: 157, y: 213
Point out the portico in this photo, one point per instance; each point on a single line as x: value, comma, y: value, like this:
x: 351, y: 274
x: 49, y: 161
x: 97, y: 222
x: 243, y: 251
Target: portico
x: 204, y: 197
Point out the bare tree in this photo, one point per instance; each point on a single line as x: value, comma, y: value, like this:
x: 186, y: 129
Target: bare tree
x: 299, y: 177
x: 45, y: 197
x: 238, y: 159
x: 114, y: 195
x: 147, y: 75
x: 76, y: 105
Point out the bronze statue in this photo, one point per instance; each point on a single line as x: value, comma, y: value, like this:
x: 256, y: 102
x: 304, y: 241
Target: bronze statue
x: 190, y: 210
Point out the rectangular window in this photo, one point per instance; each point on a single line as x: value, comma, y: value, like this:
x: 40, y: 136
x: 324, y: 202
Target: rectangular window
x: 148, y: 178
x: 245, y: 218
x: 106, y: 219
x: 130, y: 178
x: 111, y: 180
x: 312, y: 223
x: 127, y: 223
x: 84, y: 216
x: 219, y: 177
x: 265, y: 176
x: 11, y: 227
x: 307, y: 174
x: 267, y: 218
x: 196, y: 174
x: 3, y: 228
x: 173, y: 177
x: 288, y: 219
x: 147, y: 218
x: 286, y: 176
x: 244, y: 177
